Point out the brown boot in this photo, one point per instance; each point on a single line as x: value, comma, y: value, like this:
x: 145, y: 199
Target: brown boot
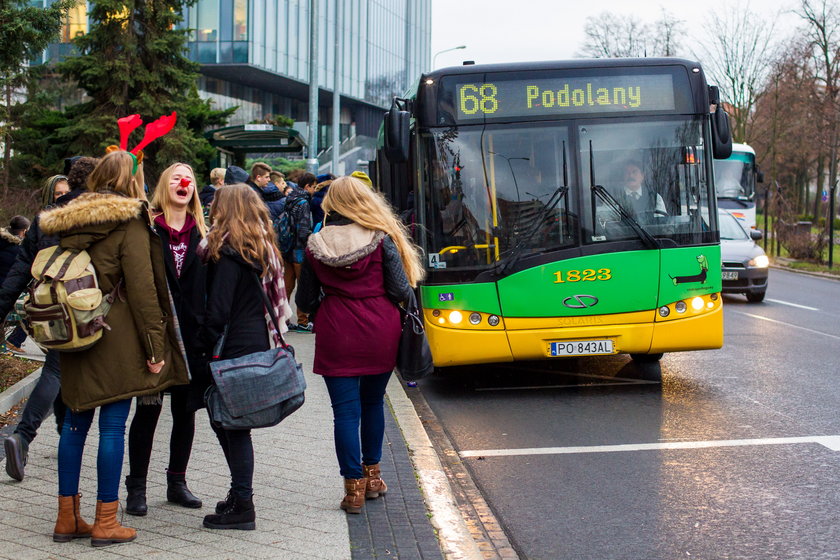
x: 106, y: 529
x: 354, y: 499
x: 375, y: 485
x: 70, y: 524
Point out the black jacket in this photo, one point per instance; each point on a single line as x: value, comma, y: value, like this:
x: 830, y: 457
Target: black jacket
x: 19, y: 275
x: 300, y: 217
x: 206, y: 195
x: 234, y: 300
x: 9, y: 248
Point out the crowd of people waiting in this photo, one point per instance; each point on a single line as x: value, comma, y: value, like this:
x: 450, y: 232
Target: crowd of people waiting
x: 182, y: 267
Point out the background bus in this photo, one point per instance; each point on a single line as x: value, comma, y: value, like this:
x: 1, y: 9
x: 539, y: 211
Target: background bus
x: 735, y: 179
x: 512, y: 177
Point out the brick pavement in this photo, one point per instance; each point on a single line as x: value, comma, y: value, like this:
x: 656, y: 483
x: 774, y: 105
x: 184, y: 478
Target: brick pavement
x: 297, y: 489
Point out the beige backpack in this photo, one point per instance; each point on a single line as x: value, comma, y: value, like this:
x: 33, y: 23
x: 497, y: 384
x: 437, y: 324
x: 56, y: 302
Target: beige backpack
x: 65, y: 309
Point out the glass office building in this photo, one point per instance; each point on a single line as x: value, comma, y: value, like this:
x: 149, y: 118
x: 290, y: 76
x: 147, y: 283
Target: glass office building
x: 254, y: 54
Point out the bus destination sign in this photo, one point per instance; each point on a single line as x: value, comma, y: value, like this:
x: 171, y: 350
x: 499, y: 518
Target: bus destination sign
x: 565, y: 96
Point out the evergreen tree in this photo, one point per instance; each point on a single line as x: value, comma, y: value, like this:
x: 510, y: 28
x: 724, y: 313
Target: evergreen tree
x: 24, y: 32
x: 133, y: 61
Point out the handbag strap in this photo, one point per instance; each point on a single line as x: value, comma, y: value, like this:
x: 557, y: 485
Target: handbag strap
x: 220, y: 344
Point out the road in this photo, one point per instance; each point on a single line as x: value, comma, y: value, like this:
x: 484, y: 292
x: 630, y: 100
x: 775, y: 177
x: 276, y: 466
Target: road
x: 731, y: 457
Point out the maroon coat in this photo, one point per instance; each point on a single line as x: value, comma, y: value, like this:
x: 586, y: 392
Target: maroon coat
x: 357, y: 324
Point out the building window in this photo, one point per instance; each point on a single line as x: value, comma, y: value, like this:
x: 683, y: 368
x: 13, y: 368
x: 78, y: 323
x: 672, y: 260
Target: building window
x: 207, y: 28
x: 75, y: 24
x: 240, y: 20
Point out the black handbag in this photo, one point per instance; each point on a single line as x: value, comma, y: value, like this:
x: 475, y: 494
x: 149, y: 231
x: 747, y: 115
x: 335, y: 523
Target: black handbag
x: 414, y: 356
x: 258, y: 390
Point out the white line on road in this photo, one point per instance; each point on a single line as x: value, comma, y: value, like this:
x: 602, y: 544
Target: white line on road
x: 831, y: 442
x: 787, y: 324
x: 792, y: 304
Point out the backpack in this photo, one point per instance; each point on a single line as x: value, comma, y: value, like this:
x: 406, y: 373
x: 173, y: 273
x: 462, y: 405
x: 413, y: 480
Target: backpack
x: 65, y: 309
x: 285, y: 228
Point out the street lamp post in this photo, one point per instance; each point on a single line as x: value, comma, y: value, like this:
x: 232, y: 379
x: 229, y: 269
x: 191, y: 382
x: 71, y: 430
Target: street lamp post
x: 434, y: 58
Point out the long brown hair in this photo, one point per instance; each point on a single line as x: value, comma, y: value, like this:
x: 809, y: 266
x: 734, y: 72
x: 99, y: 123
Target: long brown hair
x: 161, y: 201
x: 114, y: 173
x: 240, y: 220
x: 353, y: 199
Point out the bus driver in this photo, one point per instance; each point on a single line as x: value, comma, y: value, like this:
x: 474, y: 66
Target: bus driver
x: 636, y: 196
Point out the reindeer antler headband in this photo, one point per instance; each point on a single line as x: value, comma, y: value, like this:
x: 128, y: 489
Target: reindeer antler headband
x: 154, y: 130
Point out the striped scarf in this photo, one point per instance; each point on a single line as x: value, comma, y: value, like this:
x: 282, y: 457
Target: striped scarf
x: 275, y: 288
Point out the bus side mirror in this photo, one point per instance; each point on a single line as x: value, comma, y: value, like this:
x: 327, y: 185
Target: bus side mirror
x: 396, y: 135
x: 721, y: 134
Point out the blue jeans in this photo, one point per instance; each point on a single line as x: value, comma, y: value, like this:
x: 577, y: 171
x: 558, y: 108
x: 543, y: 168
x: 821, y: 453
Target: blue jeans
x: 359, y: 420
x: 42, y: 398
x: 109, y: 458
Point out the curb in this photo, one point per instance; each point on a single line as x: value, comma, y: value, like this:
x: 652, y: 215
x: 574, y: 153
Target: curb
x: 19, y: 391
x: 455, y: 538
x: 806, y: 272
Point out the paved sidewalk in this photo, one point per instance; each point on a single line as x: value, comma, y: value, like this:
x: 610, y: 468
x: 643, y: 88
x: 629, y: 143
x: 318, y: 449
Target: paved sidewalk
x: 297, y: 490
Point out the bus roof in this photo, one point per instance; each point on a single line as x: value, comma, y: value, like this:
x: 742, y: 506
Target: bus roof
x: 746, y: 148
x: 563, y: 65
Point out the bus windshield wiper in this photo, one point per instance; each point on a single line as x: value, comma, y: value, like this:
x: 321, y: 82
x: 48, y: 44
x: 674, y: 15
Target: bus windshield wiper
x: 650, y: 241
x: 516, y: 253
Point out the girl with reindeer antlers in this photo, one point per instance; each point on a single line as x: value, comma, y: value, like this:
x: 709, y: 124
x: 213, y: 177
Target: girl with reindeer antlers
x: 139, y: 352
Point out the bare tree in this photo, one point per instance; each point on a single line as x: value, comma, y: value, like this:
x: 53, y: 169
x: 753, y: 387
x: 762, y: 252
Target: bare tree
x: 737, y: 56
x: 611, y: 35
x: 666, y: 34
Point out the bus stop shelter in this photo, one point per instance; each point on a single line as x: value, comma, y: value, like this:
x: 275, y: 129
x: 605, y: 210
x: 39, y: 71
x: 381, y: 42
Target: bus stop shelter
x: 233, y: 143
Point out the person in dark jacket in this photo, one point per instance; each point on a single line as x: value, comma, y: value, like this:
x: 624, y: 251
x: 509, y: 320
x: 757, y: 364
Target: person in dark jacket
x: 357, y: 269
x: 317, y: 199
x: 300, y: 217
x: 217, y: 180
x: 46, y: 394
x: 10, y: 240
x: 242, y: 259
x: 260, y: 182
x: 138, y: 355
x: 179, y: 223
x: 54, y: 188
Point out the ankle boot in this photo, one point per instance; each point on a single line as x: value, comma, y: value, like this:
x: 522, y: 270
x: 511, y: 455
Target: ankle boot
x: 375, y: 485
x: 106, y: 529
x: 178, y: 493
x: 354, y: 495
x: 226, y: 503
x: 70, y: 524
x: 135, y: 501
x: 239, y: 515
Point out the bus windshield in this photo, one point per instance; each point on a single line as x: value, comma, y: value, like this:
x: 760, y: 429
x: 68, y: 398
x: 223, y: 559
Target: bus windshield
x: 734, y: 177
x: 503, y: 190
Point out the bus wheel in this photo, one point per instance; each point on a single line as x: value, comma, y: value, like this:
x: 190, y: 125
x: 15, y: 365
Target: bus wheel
x: 646, y: 358
x: 648, y: 366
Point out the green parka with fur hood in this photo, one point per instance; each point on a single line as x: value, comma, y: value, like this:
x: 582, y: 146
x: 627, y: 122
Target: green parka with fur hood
x: 116, y: 232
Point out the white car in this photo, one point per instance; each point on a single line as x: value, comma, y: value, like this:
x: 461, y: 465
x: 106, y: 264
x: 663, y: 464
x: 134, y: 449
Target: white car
x: 744, y: 264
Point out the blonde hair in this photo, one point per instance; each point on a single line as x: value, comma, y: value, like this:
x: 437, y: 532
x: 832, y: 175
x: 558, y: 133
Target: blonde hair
x: 241, y: 221
x: 354, y: 200
x: 217, y: 174
x: 113, y: 173
x: 162, y: 202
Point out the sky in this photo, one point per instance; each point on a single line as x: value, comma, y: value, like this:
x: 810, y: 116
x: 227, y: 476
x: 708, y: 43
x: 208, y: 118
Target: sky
x: 527, y: 30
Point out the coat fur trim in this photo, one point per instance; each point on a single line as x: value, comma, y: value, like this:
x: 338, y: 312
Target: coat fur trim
x: 90, y: 209
x: 343, y: 245
x: 9, y: 237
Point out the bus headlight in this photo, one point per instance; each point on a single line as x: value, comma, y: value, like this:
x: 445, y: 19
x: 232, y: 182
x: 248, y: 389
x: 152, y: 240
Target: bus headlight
x: 455, y: 317
x: 697, y: 303
x: 475, y: 318
x: 493, y: 320
x: 664, y: 311
x: 761, y: 261
x: 680, y: 306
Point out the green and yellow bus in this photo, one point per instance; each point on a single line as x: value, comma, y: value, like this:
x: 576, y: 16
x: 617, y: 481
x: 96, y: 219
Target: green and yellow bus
x: 563, y: 208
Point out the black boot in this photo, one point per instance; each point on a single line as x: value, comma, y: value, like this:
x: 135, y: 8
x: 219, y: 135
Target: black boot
x: 178, y: 493
x: 239, y: 515
x: 135, y: 501
x: 226, y: 503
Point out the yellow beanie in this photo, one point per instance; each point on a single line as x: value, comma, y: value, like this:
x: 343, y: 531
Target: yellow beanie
x: 362, y: 176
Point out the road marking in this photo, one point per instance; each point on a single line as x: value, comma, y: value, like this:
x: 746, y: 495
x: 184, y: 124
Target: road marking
x: 792, y: 304
x: 787, y: 324
x: 830, y: 442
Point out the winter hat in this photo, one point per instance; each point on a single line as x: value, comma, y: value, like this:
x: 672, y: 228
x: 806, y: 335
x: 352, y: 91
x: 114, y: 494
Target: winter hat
x: 235, y: 174
x: 363, y: 177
